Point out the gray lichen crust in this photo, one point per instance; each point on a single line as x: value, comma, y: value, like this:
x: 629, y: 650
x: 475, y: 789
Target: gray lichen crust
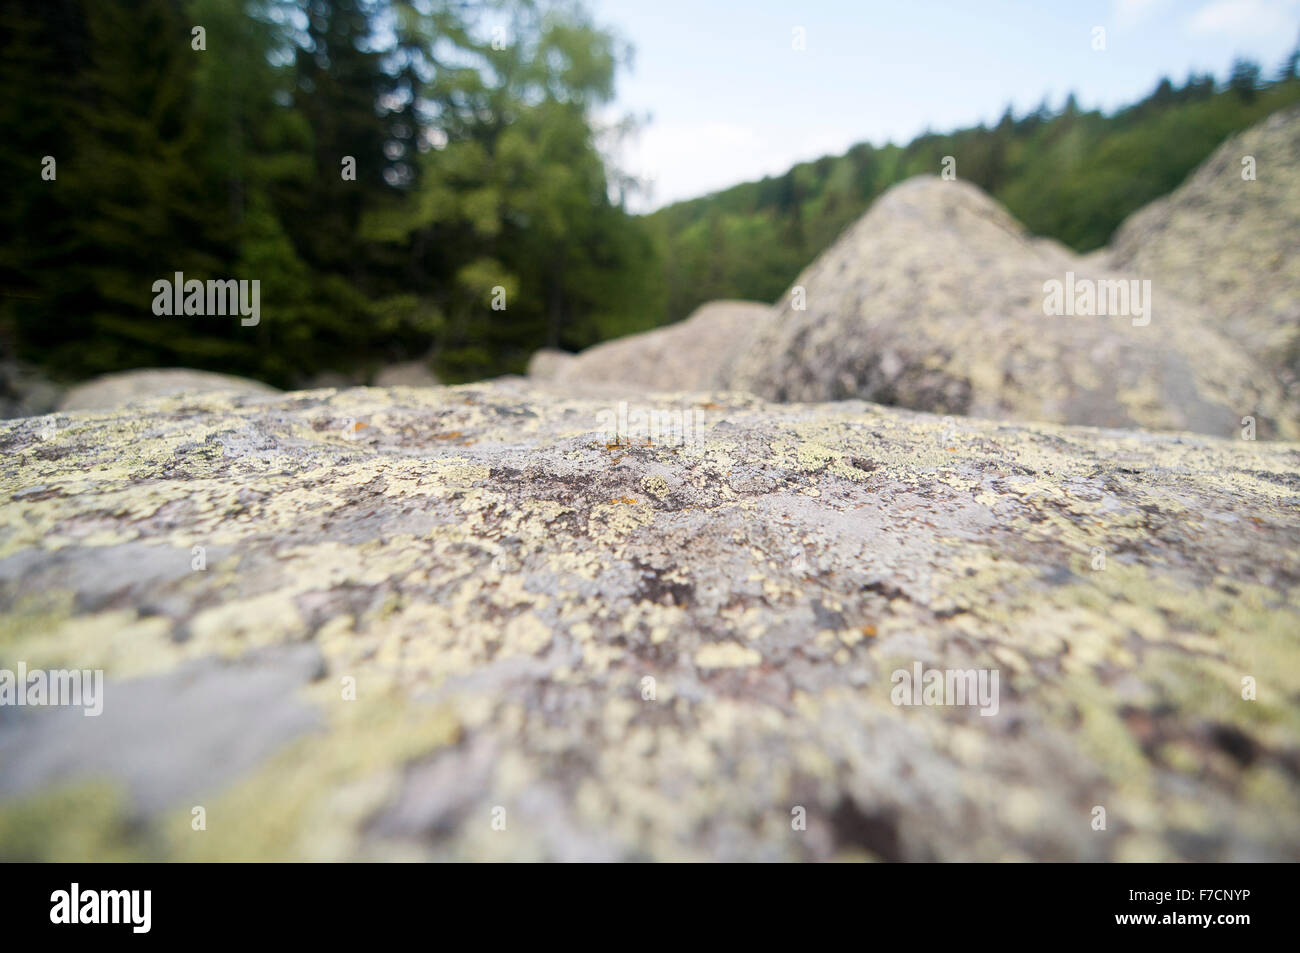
x: 561, y: 647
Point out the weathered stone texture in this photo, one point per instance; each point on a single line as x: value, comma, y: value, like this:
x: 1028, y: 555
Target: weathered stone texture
x: 500, y: 583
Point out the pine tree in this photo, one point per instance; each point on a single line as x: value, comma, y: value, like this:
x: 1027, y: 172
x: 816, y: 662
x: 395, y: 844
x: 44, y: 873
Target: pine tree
x: 42, y: 49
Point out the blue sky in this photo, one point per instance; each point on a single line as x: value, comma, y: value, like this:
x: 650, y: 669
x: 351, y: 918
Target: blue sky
x: 729, y: 99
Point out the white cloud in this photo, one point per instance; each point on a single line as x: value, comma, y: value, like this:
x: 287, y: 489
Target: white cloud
x: 1245, y: 19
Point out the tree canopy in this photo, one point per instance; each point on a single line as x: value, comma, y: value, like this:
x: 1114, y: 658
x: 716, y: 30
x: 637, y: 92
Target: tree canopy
x: 386, y: 169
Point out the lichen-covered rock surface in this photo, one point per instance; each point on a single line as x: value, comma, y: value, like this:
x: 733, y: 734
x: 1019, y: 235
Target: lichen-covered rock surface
x: 934, y: 300
x: 457, y: 623
x: 1229, y: 239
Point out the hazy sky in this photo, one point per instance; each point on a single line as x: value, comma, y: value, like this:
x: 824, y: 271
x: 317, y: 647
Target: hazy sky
x: 731, y: 100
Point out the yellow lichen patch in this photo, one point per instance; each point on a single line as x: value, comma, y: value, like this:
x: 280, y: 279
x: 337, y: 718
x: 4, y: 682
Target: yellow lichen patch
x: 34, y: 614
x: 69, y: 823
x: 655, y: 485
x: 525, y: 635
x: 726, y: 655
x: 661, y: 621
x: 267, y: 619
x: 308, y: 803
x: 456, y: 472
x: 609, y: 521
x: 120, y: 642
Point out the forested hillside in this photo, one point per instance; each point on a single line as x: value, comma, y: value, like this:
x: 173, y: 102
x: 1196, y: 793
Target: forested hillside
x: 1068, y: 174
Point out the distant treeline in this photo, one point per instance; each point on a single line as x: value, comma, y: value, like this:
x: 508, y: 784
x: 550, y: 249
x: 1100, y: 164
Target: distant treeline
x: 425, y: 177
x: 1068, y: 174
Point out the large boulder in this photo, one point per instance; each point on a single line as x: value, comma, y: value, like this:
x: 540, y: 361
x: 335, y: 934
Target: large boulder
x: 693, y: 354
x: 935, y: 300
x: 548, y: 363
x: 110, y: 391
x: 25, y: 391
x: 470, y: 623
x: 1232, y: 243
x: 406, y: 374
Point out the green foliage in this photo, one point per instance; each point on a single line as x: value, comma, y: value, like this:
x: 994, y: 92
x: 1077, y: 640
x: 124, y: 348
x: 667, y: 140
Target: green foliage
x: 475, y: 169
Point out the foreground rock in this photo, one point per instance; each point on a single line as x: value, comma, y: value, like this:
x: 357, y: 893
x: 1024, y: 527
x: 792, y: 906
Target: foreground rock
x: 1233, y: 244
x: 694, y: 354
x: 127, y: 387
x: 934, y: 300
x: 375, y: 624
